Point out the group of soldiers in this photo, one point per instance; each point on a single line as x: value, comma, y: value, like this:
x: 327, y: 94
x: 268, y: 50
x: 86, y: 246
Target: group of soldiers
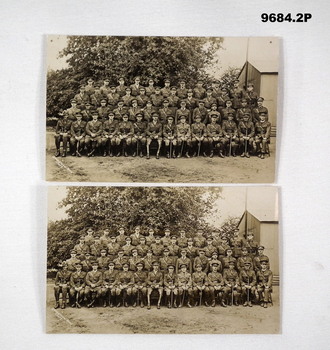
x: 120, y: 120
x: 185, y: 270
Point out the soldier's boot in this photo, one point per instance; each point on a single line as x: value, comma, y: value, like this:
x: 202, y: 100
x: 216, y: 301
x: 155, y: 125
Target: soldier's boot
x: 234, y: 150
x: 221, y: 153
x: 167, y: 151
x: 63, y: 306
x: 104, y: 301
x: 118, y: 300
x: 236, y: 300
x: 57, y: 304
x: 190, y: 302
x: 58, y: 153
x: 211, y: 154
x: 245, y: 303
x: 174, y: 152
x: 157, y: 155
x: 223, y: 302
x: 265, y: 304
x: 174, y: 302
x: 249, y: 303
x: 262, y: 155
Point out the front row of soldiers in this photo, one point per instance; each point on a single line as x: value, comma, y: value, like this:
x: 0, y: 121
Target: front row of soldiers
x: 136, y: 288
x: 115, y: 138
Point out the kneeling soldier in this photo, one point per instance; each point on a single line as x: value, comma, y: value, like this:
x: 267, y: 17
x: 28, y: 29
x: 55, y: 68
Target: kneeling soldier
x: 231, y: 280
x: 139, y: 290
x: 183, y: 135
x: 248, y: 283
x: 170, y: 282
x: 200, y: 285
x: 246, y: 135
x: 264, y: 283
x: 62, y: 282
x: 139, y: 139
x: 109, y: 286
x: 109, y: 137
x: 62, y: 133
x: 78, y: 133
x: 198, y: 131
x: 184, y: 285
x: 215, y: 282
x: 125, y: 132
x: 77, y: 284
x: 155, y: 282
x: 93, y: 134
x: 169, y: 134
x: 124, y: 284
x: 93, y: 285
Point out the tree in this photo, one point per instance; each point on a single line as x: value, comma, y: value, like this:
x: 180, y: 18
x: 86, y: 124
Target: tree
x: 229, y: 76
x: 111, y: 207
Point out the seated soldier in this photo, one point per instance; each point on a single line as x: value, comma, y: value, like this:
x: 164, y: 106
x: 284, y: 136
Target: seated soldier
x: 62, y: 285
x: 248, y: 281
x: 155, y: 282
x: 169, y: 135
x: 198, y: 139
x: 109, y: 135
x: 246, y: 135
x: 215, y: 284
x: 154, y: 132
x: 94, y: 129
x: 139, y: 290
x: 125, y: 133
x: 214, y: 135
x: 124, y: 284
x: 262, y: 138
x: 93, y: 285
x: 170, y: 286
x: 230, y: 139
x: 139, y: 138
x: 264, y: 283
x: 62, y: 133
x: 77, y: 286
x: 231, y: 287
x: 109, y: 286
x: 184, y: 285
x: 214, y: 260
x: 199, y: 286
x: 78, y: 133
x: 183, y: 137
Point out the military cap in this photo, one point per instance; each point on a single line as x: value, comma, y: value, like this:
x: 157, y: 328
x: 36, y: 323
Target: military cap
x: 209, y: 89
x: 78, y: 264
x: 142, y: 238
x: 228, y: 100
x: 170, y: 117
x: 73, y: 251
x: 183, y: 265
x: 73, y: 101
x: 111, y: 113
x: 128, y: 89
x: 139, y: 115
x: 201, y: 250
x: 113, y: 236
x: 94, y: 263
x: 190, y: 90
x: 262, y: 114
x: 121, y: 102
x: 87, y: 104
x: 149, y: 102
x: 201, y: 101
x: 170, y: 266
x: 215, y: 264
x: 182, y: 117
x: 140, y: 263
x: 246, y: 114
x: 121, y: 78
x: 247, y: 263
x: 215, y: 253
x: 128, y: 239
x: 134, y: 100
x: 150, y: 79
x: 96, y: 86
x: 120, y: 251
x: 107, y: 79
x: 263, y: 260
x: 149, y: 251
x: 157, y: 88
x: 167, y: 81
x: 166, y: 250
x: 97, y: 237
x: 165, y: 101
x: 134, y: 250
x: 224, y: 89
x: 142, y: 88
x: 103, y: 251
x: 125, y: 265
x: 87, y: 253
x: 82, y: 87
x: 198, y: 265
x: 250, y: 84
x: 244, y: 249
x: 155, y: 115
x: 61, y: 264
x: 243, y: 100
x: 213, y: 115
x: 137, y: 78
x: 198, y: 116
x: 78, y: 115
x: 261, y: 247
x: 155, y: 263
x: 209, y: 239
x: 112, y: 85
x: 111, y: 263
x: 173, y: 88
x: 125, y: 115
x: 230, y: 114
x: 190, y: 239
x: 94, y: 112
x: 90, y: 79
x: 182, y: 81
x: 183, y: 101
x: 260, y: 99
x: 231, y: 262
x: 228, y: 249
x: 183, y: 250
x: 214, y: 104
x: 157, y: 237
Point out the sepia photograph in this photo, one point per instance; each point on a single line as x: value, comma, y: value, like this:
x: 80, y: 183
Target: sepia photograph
x: 161, y: 109
x: 163, y: 260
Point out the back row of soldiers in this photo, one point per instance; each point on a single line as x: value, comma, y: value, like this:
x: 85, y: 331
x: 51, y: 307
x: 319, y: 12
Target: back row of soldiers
x: 122, y: 270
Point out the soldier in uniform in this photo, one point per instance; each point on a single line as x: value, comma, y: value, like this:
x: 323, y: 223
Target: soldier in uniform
x: 166, y: 240
x: 236, y: 242
x: 133, y: 111
x: 223, y: 246
x: 214, y: 134
x: 89, y: 88
x: 120, y: 111
x: 103, y: 260
x: 183, y: 111
x: 173, y: 247
x: 251, y: 96
x: 155, y: 282
x: 191, y: 250
x: 231, y: 280
x: 170, y: 286
x: 73, y: 110
x: 241, y: 111
x: 62, y: 283
x: 62, y: 133
x: 166, y: 260
x: 127, y: 98
x: 230, y: 139
x: 200, y: 285
x: 82, y: 98
x: 103, y: 111
x: 136, y: 236
x: 236, y: 94
x: 164, y: 112
x: 215, y: 284
x: 87, y: 112
x: 121, y: 88
x: 183, y: 137
x: 109, y: 136
x: 199, y: 239
x: 72, y: 261
x: 105, y: 88
x: 150, y: 238
x: 77, y: 286
x: 94, y: 130
x: 199, y: 91
x: 86, y: 263
x: 210, y: 248
x: 228, y: 109
x: 96, y: 247
x: 215, y: 260
x: 113, y: 97
x: 259, y: 109
x: 169, y: 135
x: 142, y: 247
x: 166, y: 90
x: 182, y: 90
x: 156, y: 98
x: 157, y: 247
x: 228, y: 258
x: 142, y: 98
x: 148, y: 111
x: 184, y: 284
x: 127, y: 247
x: 182, y: 240
x: 154, y: 132
x: 124, y: 284
x: 134, y: 260
x: 245, y: 257
x: 183, y: 260
x: 148, y: 260
x: 209, y: 100
x: 113, y: 248
x: 109, y: 287
x: 89, y: 238
x: 198, y: 139
x: 78, y: 133
x: 173, y: 100
x: 246, y: 135
x: 264, y: 283
x: 150, y: 89
x: 257, y: 259
x: 139, y: 290
x: 201, y: 259
x: 94, y: 280
x: 248, y: 283
x: 120, y: 260
x: 191, y: 102
x: 121, y: 237
x: 200, y: 111
x: 251, y: 244
x: 211, y: 112
x: 139, y: 139
x: 96, y: 97
x: 81, y: 248
x: 222, y: 98
x: 125, y: 133
x: 262, y: 136
x: 135, y: 88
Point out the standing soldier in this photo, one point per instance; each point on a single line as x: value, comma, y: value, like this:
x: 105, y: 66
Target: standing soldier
x: 77, y: 286
x: 82, y: 98
x: 142, y: 247
x: 200, y: 111
x: 199, y: 239
x: 222, y: 98
x: 173, y: 247
x: 103, y: 111
x: 105, y: 238
x: 135, y: 237
x: 248, y: 283
x: 199, y: 91
x: 165, y: 260
x: 73, y: 110
x: 215, y: 285
x: 209, y: 99
x: 262, y: 138
x: 120, y: 260
x: 62, y: 285
x: 96, y: 97
x: 150, y: 238
x: 121, y: 237
x: 243, y: 259
x: 227, y: 110
x: 166, y: 240
x: 214, y: 260
x: 105, y: 88
x: 96, y: 247
x: 169, y: 135
x: 257, y: 259
x: 135, y: 88
x: 148, y: 260
x: 113, y: 97
x: 164, y: 112
x: 109, y: 285
x: 231, y: 279
x: 89, y: 88
x: 173, y: 100
x: 148, y: 111
x: 127, y: 247
x: 121, y: 88
x: 182, y: 90
x: 139, y: 138
x: 230, y: 139
x: 157, y: 247
x: 133, y: 111
x: 72, y: 261
x: 78, y: 133
x: 142, y: 98
x: 236, y: 242
x: 127, y: 98
x: 139, y: 290
x: 200, y: 285
x: 183, y: 137
x: 191, y: 102
x: 259, y: 109
x: 62, y: 133
x: 125, y: 133
x: 198, y: 130
x: 81, y: 248
x: 120, y: 111
x: 201, y: 259
x: 124, y: 284
x: 251, y: 244
x: 113, y: 248
x: 94, y: 131
x: 241, y: 111
x: 87, y: 263
x: 155, y: 282
x: 170, y: 286
x: 93, y: 285
x: 191, y: 250
x: 210, y: 248
x: 103, y: 260
x: 182, y: 240
x: 223, y: 246
x: 264, y: 283
x: 236, y: 94
x: 150, y: 89
x: 184, y: 285
x: 214, y: 134
x: 251, y: 96
x: 154, y: 132
x: 87, y: 112
x: 89, y: 238
x: 246, y: 135
x: 156, y: 98
x: 134, y: 260
x: 166, y: 90
x: 228, y: 258
x: 183, y: 260
x: 183, y: 111
x: 109, y: 136
x: 212, y: 112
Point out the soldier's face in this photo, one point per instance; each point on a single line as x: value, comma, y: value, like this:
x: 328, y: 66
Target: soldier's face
x: 134, y: 253
x: 125, y: 268
x: 151, y: 82
x: 247, y: 267
x: 73, y: 104
x: 244, y: 252
x: 125, y: 119
x: 263, y: 266
x: 78, y: 268
x: 250, y: 88
x: 111, y: 267
x: 244, y: 104
x: 229, y: 252
x: 199, y: 84
x: 151, y: 232
x: 128, y: 92
x: 173, y: 92
x: 262, y: 119
x: 154, y: 119
x: 95, y: 117
x: 106, y: 82
x: 236, y: 84
x: 183, y: 268
x: 259, y: 103
x: 167, y: 84
x: 142, y: 92
x: 139, y: 118
x: 120, y: 105
x: 134, y: 104
x: 246, y: 119
x: 142, y: 241
x: 73, y: 255
x: 165, y: 104
x: 121, y: 81
x: 64, y: 267
x: 250, y: 237
x: 103, y: 253
x: 198, y: 120
x: 228, y: 104
x: 103, y: 103
x: 79, y: 119
x: 170, y: 269
x: 157, y: 91
x: 111, y: 117
x: 230, y: 117
x: 213, y: 108
x: 94, y: 268
x: 199, y: 268
x: 214, y: 268
x: 113, y: 89
x: 87, y: 256
x: 139, y: 267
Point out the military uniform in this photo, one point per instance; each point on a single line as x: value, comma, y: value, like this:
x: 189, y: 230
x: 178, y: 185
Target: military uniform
x: 150, y: 90
x: 182, y: 92
x: 113, y: 249
x: 109, y: 286
x: 155, y: 282
x: 127, y: 99
x: 229, y: 129
x: 170, y: 286
x: 237, y: 244
x: 231, y: 279
x: 209, y: 101
x: 183, y: 112
x: 119, y: 112
x: 148, y: 261
x: 142, y: 249
x: 191, y: 103
x: 226, y: 260
x: 246, y: 129
x: 119, y: 262
x: 214, y: 135
x: 62, y: 285
x: 165, y: 261
x: 103, y: 262
x: 215, y: 285
x: 71, y: 263
x: 164, y: 113
x: 210, y: 249
x: 125, y: 133
x: 94, y: 280
x: 157, y: 249
x: 147, y: 114
x: 139, y: 290
x: 62, y: 133
x: 202, y: 260
x: 225, y: 111
x: 248, y: 285
x: 139, y: 139
x: 135, y: 89
x: 199, y: 92
x: 113, y: 99
x: 183, y: 261
x: 132, y: 112
x: 199, y: 241
x: 94, y: 131
x: 77, y: 286
x: 109, y: 136
x: 198, y: 131
x: 199, y: 284
x: 202, y: 112
x: 257, y: 111
x: 157, y: 100
x: 95, y: 99
x: 142, y: 100
x: 264, y: 286
x: 173, y: 102
x: 103, y: 113
x: 241, y: 112
x: 251, y: 97
x: 96, y: 248
x: 81, y: 100
x: 236, y: 94
x: 121, y: 89
x: 72, y: 112
x: 124, y: 285
x: 262, y: 136
x: 183, y: 132
x: 184, y: 284
x: 242, y: 260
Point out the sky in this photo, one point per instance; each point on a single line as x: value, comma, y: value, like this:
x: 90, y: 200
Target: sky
x: 233, y: 54
x: 233, y: 201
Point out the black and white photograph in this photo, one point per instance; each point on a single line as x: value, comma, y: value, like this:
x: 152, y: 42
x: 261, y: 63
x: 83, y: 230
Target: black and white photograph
x: 163, y: 260
x: 154, y: 109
